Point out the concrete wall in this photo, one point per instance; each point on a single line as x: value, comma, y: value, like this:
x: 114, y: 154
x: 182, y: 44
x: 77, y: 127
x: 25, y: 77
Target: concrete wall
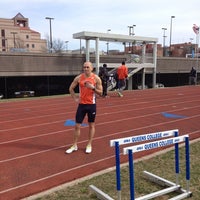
x: 176, y: 65
x: 17, y: 64
x: 39, y: 64
x: 50, y: 74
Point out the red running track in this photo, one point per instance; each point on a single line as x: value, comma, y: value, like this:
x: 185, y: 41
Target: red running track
x: 33, y: 138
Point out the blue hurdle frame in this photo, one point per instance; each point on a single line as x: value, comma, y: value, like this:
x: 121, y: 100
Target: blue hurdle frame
x: 134, y: 139
x: 176, y: 141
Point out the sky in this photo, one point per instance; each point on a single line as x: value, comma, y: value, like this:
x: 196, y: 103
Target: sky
x: 73, y: 16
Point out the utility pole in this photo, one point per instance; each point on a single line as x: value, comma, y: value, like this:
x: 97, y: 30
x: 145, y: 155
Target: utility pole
x: 170, y: 40
x: 107, y: 43
x: 51, y: 43
x: 130, y: 33
x: 66, y: 42
x: 164, y: 36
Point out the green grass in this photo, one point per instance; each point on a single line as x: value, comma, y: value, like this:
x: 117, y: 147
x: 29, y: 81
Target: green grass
x: 161, y: 165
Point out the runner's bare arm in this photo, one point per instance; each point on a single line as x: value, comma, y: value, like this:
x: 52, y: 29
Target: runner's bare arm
x: 72, y: 87
x: 98, y: 89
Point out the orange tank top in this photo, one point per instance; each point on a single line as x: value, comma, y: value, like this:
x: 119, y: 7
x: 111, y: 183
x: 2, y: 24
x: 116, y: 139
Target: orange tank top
x: 87, y: 96
x: 122, y: 72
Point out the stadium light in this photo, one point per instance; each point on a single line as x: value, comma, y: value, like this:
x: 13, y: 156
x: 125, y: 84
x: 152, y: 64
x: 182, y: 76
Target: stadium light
x: 51, y: 44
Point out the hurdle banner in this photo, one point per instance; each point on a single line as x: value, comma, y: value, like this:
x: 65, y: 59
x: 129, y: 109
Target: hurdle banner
x: 173, y: 187
x: 145, y: 137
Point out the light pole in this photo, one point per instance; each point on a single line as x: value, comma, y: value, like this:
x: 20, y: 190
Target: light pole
x: 14, y: 33
x: 108, y: 42
x: 164, y: 36
x: 66, y: 42
x: 130, y: 29
x: 130, y: 33
x: 192, y: 51
x: 80, y: 47
x: 170, y: 39
x: 51, y: 44
x: 133, y: 33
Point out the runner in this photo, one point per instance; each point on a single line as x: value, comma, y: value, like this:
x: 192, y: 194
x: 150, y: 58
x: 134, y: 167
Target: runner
x: 89, y: 85
x: 122, y: 73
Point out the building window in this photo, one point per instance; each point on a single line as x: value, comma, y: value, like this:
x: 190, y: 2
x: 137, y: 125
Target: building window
x: 27, y: 36
x: 2, y: 33
x: 3, y: 44
x: 27, y: 45
x: 33, y: 46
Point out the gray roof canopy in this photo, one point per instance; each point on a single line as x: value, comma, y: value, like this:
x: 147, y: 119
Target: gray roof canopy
x: 113, y: 37
x: 109, y: 37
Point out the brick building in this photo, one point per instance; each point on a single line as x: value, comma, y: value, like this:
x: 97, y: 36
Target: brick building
x: 177, y: 50
x: 17, y: 36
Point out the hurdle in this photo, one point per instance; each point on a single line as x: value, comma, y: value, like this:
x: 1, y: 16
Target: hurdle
x: 172, y: 186
x: 135, y: 139
x: 127, y: 140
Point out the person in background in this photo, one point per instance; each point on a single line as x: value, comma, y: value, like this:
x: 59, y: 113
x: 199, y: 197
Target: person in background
x: 192, y: 76
x: 122, y: 73
x: 103, y: 74
x: 89, y: 85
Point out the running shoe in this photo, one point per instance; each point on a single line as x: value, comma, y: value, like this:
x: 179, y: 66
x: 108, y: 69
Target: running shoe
x: 72, y: 149
x: 88, y: 149
x: 120, y: 94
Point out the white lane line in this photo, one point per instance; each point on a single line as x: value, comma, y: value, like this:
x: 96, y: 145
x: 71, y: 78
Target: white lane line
x: 60, y: 173
x: 117, y: 112
x: 99, y: 124
x: 108, y: 135
x: 56, y: 174
x: 130, y: 104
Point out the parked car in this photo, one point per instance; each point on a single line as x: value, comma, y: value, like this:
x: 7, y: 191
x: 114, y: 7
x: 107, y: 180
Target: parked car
x: 25, y: 94
x: 159, y: 85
